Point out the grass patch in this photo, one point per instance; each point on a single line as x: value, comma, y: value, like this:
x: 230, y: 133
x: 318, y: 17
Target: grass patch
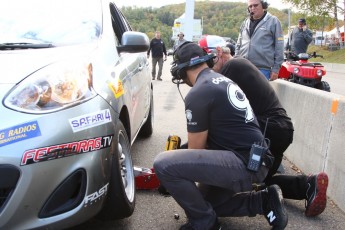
x: 337, y: 56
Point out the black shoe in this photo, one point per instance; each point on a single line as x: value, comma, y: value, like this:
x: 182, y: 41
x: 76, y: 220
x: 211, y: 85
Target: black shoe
x: 159, y: 79
x: 189, y: 226
x: 153, y: 78
x: 273, y: 207
x: 316, y: 199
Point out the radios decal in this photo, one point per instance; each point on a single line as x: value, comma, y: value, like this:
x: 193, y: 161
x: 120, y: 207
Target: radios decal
x: 19, y: 133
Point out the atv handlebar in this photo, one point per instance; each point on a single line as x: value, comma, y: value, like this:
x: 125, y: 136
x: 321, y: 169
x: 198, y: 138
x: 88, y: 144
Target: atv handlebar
x: 302, y: 56
x: 314, y: 55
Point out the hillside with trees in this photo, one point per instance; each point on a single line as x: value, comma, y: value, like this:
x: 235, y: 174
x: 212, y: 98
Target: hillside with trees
x: 219, y: 18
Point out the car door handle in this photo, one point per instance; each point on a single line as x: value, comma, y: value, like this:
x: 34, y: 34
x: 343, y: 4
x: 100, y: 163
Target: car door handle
x: 141, y: 67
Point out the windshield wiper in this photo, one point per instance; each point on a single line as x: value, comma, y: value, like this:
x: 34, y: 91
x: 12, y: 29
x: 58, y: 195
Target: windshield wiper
x: 24, y: 45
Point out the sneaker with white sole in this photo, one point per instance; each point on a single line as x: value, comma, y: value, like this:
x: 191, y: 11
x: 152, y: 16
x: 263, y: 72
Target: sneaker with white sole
x: 316, y: 197
x: 273, y: 207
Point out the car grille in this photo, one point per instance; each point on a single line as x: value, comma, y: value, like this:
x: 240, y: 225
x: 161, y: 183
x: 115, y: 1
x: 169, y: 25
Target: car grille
x: 8, y: 181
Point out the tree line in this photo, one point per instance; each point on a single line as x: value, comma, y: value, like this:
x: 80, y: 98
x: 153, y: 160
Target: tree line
x: 219, y: 18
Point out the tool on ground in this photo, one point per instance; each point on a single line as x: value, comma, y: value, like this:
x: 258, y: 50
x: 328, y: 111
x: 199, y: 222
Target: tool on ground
x: 146, y: 178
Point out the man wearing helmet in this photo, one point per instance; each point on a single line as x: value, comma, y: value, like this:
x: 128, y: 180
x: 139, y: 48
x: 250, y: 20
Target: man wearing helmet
x: 221, y: 130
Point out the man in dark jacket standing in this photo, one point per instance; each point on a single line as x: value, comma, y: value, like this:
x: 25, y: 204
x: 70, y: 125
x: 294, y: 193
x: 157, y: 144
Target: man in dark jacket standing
x: 300, y: 38
x: 158, y: 49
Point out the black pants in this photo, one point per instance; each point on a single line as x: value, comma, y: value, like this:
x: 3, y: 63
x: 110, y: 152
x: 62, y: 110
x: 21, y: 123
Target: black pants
x: 293, y: 187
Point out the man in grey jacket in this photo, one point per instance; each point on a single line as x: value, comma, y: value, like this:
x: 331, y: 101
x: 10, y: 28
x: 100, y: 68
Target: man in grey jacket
x: 300, y: 38
x: 261, y: 39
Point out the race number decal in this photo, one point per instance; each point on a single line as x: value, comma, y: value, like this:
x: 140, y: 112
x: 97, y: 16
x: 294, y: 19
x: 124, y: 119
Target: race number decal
x: 239, y: 101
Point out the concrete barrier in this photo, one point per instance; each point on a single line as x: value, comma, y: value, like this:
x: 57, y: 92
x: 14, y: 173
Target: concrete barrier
x: 319, y: 137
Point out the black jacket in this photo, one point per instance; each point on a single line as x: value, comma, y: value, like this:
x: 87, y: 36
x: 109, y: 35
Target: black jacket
x: 158, y: 48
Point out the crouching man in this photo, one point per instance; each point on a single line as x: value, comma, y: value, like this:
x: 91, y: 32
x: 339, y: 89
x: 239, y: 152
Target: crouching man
x: 221, y: 131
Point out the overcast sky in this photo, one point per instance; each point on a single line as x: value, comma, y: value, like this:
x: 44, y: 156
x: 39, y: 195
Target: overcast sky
x: 158, y: 3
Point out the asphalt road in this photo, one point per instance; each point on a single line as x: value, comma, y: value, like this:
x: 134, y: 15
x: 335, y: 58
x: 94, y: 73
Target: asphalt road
x: 156, y: 212
x: 336, y: 80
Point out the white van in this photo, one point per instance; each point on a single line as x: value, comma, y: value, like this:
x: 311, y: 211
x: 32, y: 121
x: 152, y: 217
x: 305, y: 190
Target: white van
x: 320, y: 38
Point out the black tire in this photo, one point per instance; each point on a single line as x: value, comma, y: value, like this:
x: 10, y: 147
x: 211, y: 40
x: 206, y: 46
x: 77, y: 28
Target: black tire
x: 120, y: 200
x: 147, y: 128
x: 323, y: 85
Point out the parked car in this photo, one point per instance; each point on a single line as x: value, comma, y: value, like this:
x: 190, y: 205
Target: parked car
x: 75, y: 91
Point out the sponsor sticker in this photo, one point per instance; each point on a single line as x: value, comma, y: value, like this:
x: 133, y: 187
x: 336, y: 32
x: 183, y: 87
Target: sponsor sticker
x: 189, y: 117
x: 117, y: 89
x: 19, y: 133
x: 53, y: 152
x: 94, y: 197
x: 87, y: 121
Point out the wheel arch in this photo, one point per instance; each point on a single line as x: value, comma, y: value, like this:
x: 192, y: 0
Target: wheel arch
x: 124, y: 118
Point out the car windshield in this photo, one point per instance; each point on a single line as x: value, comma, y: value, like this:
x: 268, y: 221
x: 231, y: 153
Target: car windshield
x: 47, y: 23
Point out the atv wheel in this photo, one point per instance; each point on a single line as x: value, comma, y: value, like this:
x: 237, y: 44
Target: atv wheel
x: 120, y: 200
x: 323, y: 86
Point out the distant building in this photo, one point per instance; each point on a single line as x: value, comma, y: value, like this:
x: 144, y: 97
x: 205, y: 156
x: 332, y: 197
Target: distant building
x: 179, y: 26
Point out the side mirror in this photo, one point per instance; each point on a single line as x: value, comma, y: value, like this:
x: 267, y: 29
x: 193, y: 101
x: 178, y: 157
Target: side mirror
x: 133, y: 42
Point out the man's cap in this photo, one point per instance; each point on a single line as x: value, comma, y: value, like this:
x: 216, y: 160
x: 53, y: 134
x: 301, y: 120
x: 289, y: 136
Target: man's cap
x: 189, y: 52
x: 302, y: 20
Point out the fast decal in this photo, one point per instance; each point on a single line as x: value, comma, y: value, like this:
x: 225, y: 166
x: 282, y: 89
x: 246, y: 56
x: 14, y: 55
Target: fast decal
x: 90, y: 120
x: 117, y: 89
x: 19, y: 133
x: 94, y: 197
x: 65, y: 150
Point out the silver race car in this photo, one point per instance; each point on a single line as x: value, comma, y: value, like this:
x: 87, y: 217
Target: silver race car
x: 75, y: 91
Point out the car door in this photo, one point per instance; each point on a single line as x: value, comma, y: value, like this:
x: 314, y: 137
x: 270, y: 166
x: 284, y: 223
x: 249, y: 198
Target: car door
x: 135, y: 83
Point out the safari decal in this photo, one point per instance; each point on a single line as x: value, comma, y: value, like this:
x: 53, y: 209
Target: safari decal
x: 90, y: 120
x: 19, y: 133
x: 65, y: 150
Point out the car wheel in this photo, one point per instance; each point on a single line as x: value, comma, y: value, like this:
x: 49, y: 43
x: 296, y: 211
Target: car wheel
x: 323, y: 86
x: 120, y: 201
x: 147, y: 128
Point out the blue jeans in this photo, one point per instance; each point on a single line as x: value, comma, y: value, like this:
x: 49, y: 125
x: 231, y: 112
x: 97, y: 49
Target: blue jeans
x: 266, y: 73
x: 225, y: 184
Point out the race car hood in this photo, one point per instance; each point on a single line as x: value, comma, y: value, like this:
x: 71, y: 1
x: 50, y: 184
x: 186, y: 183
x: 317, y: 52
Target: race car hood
x: 15, y: 65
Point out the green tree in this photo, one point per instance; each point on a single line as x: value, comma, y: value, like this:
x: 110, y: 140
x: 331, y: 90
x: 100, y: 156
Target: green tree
x: 326, y: 8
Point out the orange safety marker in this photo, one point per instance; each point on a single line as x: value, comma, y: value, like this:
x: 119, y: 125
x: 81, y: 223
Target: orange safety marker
x: 335, y: 105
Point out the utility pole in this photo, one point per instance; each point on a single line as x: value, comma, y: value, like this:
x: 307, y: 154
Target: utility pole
x: 189, y: 16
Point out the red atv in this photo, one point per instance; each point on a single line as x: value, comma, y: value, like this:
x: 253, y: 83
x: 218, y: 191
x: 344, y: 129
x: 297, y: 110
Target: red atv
x: 297, y: 69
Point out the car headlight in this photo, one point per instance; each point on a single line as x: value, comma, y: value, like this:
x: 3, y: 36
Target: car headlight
x: 296, y: 70
x: 319, y: 73
x: 52, y: 88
